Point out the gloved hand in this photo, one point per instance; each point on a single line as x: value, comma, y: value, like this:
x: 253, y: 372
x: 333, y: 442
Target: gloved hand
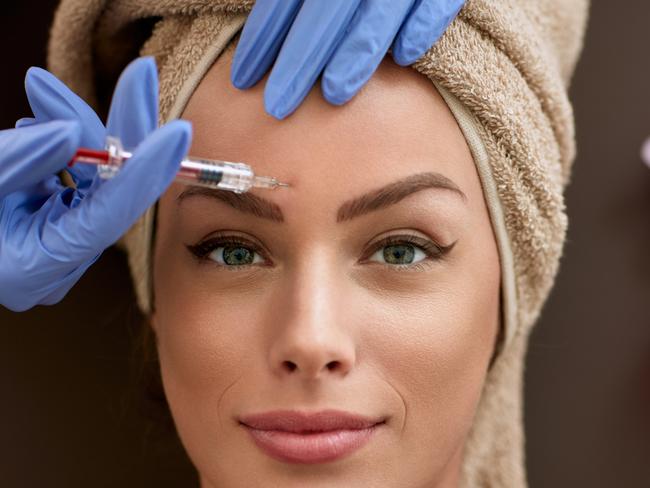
x: 350, y: 36
x: 50, y: 234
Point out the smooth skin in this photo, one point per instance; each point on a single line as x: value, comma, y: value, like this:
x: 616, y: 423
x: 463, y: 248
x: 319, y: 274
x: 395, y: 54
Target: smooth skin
x: 319, y: 319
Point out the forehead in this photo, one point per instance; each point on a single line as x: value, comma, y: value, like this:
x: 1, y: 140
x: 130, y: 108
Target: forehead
x: 397, y: 125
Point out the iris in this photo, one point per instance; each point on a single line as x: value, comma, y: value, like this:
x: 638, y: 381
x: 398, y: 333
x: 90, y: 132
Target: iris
x: 395, y: 253
x: 237, y: 255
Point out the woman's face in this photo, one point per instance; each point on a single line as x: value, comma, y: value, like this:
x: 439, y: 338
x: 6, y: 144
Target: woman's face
x: 370, y: 286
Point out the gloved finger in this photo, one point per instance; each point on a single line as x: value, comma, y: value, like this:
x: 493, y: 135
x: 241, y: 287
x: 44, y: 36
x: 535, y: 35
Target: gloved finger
x: 425, y: 24
x: 31, y: 154
x: 265, y: 29
x: 308, y: 46
x: 134, y: 108
x: 79, y: 234
x: 25, y: 122
x: 27, y: 276
x: 50, y: 99
x: 364, y: 46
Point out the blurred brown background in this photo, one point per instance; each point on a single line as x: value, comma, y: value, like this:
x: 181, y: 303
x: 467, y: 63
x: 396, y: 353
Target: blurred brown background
x: 69, y: 415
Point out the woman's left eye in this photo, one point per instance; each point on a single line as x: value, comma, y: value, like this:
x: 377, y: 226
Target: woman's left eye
x: 399, y: 254
x: 407, y: 251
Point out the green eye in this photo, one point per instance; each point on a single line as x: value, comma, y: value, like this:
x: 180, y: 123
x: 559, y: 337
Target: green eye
x: 236, y: 255
x: 399, y: 254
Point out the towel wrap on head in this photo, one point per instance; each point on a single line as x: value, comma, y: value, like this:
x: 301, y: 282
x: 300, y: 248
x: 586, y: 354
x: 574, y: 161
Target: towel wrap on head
x: 504, y: 69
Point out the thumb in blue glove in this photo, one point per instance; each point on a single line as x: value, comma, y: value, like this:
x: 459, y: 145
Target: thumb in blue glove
x: 345, y: 40
x: 50, y: 234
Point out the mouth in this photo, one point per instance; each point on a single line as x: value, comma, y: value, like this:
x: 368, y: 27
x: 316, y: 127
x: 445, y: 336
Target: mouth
x: 307, y: 438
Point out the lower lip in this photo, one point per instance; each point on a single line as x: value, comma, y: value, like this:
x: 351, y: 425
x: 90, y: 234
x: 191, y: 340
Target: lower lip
x: 309, y: 448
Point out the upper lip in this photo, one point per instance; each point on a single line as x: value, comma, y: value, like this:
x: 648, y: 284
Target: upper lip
x: 295, y: 421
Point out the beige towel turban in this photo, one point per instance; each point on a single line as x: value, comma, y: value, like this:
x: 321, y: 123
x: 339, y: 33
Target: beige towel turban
x: 503, y: 67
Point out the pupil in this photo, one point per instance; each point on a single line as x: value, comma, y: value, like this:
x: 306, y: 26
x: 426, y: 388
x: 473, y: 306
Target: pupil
x: 237, y: 255
x: 394, y: 253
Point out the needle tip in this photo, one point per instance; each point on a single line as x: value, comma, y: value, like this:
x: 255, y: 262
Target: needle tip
x: 267, y: 182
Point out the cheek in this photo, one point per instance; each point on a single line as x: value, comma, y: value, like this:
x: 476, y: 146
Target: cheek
x: 434, y: 350
x: 202, y: 355
x: 193, y: 317
x: 200, y: 351
x: 185, y: 328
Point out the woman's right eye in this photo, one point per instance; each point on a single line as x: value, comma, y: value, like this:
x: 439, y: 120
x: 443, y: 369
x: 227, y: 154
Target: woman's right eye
x: 235, y: 255
x: 229, y: 253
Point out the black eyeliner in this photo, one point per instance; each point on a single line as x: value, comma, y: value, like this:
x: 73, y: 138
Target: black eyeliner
x: 432, y: 250
x: 202, y: 249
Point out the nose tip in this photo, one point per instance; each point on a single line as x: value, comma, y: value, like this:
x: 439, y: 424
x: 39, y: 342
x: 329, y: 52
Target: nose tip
x: 312, y: 356
x: 312, y: 370
x: 311, y: 327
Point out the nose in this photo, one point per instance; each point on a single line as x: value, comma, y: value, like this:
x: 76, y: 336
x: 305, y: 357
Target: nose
x: 310, y: 339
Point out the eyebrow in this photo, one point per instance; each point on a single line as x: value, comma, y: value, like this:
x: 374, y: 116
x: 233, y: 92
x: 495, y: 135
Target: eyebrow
x: 244, y: 202
x: 374, y: 200
x: 393, y: 193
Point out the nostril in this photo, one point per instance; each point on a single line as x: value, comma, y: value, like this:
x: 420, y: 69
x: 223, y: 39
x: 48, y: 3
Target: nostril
x: 290, y: 365
x: 333, y: 365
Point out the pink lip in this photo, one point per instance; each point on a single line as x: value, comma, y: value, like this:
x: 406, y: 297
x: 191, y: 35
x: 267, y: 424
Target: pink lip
x: 317, y: 437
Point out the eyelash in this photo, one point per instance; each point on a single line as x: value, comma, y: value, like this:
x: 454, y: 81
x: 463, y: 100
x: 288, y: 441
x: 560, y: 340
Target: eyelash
x: 434, y: 252
x: 203, y: 249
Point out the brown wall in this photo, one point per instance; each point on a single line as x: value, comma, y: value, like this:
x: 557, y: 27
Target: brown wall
x: 68, y: 413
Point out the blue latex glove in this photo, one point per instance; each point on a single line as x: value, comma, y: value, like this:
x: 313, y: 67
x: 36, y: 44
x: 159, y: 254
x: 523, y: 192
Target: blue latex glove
x: 351, y: 37
x: 50, y: 234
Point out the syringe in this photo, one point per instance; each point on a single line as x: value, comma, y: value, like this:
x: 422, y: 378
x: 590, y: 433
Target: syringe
x: 222, y: 175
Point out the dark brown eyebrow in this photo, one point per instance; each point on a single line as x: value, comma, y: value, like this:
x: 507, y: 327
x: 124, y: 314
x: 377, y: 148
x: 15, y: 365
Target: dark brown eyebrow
x: 244, y: 202
x: 374, y: 200
x: 393, y: 193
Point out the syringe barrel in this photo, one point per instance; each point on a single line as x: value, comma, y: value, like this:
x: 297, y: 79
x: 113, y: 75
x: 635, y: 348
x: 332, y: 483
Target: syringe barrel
x: 237, y: 177
x: 223, y: 175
